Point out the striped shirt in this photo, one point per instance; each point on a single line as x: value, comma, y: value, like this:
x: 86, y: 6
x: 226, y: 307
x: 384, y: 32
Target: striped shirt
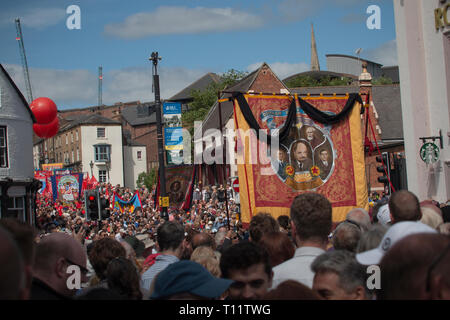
x: 162, y: 262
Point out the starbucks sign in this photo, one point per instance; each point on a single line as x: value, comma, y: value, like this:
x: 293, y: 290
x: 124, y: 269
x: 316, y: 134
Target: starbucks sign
x: 429, y: 153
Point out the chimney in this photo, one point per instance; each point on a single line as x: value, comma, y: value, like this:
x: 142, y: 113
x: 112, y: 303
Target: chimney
x: 365, y: 81
x: 365, y: 87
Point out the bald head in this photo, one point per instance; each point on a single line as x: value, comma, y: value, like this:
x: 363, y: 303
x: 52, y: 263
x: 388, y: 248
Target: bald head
x: 54, y: 254
x: 404, y: 206
x: 203, y: 239
x: 361, y: 217
x: 413, y: 263
x: 12, y: 271
x: 58, y: 245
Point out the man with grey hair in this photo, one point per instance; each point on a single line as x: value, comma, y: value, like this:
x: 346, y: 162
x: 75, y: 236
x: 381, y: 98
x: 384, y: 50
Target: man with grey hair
x: 360, y: 217
x: 371, y: 239
x: 338, y: 276
x: 346, y: 236
x: 220, y: 238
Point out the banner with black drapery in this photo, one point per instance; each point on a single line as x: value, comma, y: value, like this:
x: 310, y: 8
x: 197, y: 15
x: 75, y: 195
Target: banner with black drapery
x: 319, y: 148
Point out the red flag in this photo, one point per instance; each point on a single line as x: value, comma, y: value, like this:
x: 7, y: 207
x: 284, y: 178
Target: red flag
x: 93, y: 182
x: 85, y: 185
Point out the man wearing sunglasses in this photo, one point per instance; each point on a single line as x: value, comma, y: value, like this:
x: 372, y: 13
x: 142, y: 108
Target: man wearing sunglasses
x: 54, y: 254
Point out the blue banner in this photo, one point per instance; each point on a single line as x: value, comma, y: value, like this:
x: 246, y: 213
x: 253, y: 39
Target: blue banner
x: 173, y: 138
x: 127, y: 206
x: 171, y: 108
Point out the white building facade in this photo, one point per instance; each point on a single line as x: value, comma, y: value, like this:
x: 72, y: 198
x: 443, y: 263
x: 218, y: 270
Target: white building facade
x: 134, y: 164
x: 102, y: 146
x: 423, y: 45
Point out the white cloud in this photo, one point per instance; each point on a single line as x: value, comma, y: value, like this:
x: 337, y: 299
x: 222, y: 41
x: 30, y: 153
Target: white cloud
x: 182, y: 20
x: 38, y: 18
x: 79, y: 88
x: 132, y: 84
x: 63, y: 86
x: 297, y: 10
x: 282, y: 69
x: 386, y: 54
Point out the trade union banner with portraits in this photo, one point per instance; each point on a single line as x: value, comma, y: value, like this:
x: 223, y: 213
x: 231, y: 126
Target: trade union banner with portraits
x: 290, y: 145
x: 179, y: 186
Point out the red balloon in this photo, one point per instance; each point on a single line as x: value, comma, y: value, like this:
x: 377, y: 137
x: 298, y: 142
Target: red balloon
x: 46, y: 130
x: 44, y: 110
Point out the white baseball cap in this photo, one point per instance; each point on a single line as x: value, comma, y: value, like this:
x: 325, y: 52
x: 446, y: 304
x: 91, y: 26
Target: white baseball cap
x: 395, y: 233
x: 384, y: 215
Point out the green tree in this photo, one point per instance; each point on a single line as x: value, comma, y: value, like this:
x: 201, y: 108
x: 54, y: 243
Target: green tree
x: 147, y: 179
x: 204, y: 99
x: 308, y: 81
x: 382, y: 81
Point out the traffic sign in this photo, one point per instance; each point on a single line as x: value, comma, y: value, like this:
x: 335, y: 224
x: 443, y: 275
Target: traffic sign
x: 236, y: 185
x: 164, y: 201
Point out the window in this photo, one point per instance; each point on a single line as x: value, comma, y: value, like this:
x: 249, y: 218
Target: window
x: 73, y: 157
x: 102, y: 152
x: 139, y: 155
x: 3, y: 148
x: 101, y: 133
x: 71, y: 134
x: 101, y: 176
x: 67, y: 140
x: 15, y: 209
x: 78, y: 154
x: 77, y: 135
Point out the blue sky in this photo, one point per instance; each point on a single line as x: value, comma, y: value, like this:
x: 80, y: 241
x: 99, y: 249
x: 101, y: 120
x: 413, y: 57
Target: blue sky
x: 192, y: 36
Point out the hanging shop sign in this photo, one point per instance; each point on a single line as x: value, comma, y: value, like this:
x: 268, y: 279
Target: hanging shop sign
x: 429, y: 153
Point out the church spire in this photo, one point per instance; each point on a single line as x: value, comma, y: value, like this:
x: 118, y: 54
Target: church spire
x: 314, y: 57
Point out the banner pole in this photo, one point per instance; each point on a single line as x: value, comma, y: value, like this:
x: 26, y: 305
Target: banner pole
x: 162, y: 173
x: 224, y: 184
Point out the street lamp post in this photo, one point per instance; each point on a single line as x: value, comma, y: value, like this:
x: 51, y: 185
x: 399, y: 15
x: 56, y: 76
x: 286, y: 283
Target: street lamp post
x: 108, y: 166
x: 92, y: 167
x: 162, y: 173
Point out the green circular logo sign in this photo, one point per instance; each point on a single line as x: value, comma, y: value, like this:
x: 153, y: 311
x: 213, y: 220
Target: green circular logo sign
x: 429, y: 152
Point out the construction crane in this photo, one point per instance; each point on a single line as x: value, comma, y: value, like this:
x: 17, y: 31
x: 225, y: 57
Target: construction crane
x: 24, y: 61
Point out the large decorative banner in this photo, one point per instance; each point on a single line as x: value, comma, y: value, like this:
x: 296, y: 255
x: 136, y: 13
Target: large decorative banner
x: 52, y: 166
x: 319, y: 149
x: 173, y: 132
x: 67, y: 188
x: 179, y: 186
x: 127, y: 207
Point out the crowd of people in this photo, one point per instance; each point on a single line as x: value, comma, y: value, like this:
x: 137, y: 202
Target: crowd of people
x: 400, y: 249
